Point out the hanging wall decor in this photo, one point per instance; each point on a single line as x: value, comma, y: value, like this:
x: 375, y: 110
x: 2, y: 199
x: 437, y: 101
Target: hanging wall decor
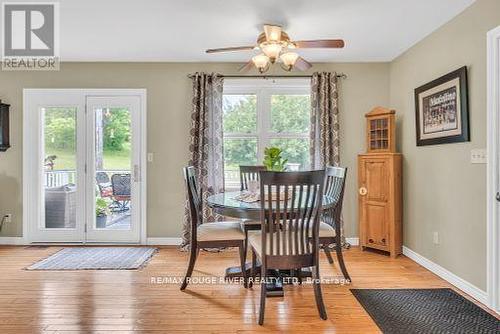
x: 442, y: 113
x: 4, y: 127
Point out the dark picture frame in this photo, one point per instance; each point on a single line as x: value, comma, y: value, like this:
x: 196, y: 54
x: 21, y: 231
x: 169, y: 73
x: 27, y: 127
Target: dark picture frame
x: 442, y: 110
x: 4, y: 127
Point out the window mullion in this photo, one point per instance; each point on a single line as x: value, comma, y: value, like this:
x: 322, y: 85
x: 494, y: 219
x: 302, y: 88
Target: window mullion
x: 263, y: 112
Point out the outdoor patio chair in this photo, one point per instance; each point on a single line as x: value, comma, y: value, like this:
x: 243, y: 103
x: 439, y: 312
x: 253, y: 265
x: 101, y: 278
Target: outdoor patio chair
x: 121, y: 191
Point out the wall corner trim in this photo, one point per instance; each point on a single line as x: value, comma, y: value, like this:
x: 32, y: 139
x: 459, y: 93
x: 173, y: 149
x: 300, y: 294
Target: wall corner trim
x: 448, y: 276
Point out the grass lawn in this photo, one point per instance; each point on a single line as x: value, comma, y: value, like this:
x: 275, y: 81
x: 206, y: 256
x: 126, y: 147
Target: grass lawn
x: 65, y: 160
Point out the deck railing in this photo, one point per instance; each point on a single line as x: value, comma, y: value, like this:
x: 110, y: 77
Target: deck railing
x: 58, y: 178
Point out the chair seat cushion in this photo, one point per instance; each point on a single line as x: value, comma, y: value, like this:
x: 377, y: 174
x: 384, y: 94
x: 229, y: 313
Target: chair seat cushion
x: 326, y: 230
x: 227, y: 230
x: 247, y: 224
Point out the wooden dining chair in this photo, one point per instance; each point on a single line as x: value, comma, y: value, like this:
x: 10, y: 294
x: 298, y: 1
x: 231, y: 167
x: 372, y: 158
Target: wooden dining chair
x: 209, y: 235
x: 289, y: 236
x: 329, y: 228
x: 249, y: 173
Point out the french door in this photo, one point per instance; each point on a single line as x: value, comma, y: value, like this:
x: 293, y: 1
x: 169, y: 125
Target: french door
x: 83, y: 155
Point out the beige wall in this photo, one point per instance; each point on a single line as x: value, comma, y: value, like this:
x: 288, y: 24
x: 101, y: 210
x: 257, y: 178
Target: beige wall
x: 169, y: 95
x: 443, y: 191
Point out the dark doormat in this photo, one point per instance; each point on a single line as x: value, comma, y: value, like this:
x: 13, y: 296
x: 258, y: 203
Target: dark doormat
x: 425, y: 311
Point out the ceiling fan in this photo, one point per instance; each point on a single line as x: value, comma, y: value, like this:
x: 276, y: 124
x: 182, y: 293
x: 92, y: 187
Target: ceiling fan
x: 276, y: 46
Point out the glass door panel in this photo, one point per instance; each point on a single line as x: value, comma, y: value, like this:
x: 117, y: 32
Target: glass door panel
x: 59, y: 167
x: 113, y: 169
x: 54, y: 165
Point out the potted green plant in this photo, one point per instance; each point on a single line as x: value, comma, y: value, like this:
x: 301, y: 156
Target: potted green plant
x: 273, y: 160
x: 101, y: 212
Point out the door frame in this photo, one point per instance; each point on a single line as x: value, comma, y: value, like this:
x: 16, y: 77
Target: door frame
x: 27, y: 158
x: 493, y: 186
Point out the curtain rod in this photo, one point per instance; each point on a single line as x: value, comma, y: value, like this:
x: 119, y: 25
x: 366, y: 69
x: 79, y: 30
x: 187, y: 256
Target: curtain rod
x: 340, y: 76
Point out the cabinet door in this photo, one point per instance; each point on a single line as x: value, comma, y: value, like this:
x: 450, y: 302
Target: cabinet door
x: 374, y: 202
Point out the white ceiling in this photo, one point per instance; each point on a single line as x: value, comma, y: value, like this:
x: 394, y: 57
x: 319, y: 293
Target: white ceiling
x: 180, y: 31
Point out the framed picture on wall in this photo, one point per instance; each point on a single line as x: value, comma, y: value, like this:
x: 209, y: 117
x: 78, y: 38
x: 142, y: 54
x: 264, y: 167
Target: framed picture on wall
x: 442, y: 110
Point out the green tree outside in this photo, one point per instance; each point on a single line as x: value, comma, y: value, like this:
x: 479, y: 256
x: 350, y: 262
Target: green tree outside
x: 289, y: 114
x: 60, y: 138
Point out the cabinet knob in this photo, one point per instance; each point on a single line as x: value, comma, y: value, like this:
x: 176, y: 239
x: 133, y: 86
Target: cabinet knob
x: 383, y: 241
x: 363, y: 191
x: 370, y: 241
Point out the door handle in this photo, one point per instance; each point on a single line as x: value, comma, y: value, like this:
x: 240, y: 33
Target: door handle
x: 363, y: 191
x: 498, y: 196
x: 137, y: 174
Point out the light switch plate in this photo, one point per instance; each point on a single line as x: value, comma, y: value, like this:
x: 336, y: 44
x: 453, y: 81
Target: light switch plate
x: 150, y: 157
x: 435, y: 238
x: 478, y: 156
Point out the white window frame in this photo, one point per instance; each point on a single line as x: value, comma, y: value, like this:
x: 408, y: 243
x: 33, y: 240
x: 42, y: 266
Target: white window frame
x: 264, y: 88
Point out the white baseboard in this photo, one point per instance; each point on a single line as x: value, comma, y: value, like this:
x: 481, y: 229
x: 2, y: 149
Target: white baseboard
x: 164, y: 241
x: 448, y: 276
x: 353, y: 241
x: 12, y: 241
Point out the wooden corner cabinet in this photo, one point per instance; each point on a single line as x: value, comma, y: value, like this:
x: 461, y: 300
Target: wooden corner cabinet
x: 379, y: 178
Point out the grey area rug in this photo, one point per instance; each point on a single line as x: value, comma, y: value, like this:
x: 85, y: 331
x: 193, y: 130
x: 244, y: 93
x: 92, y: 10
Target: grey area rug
x: 96, y: 258
x: 425, y: 311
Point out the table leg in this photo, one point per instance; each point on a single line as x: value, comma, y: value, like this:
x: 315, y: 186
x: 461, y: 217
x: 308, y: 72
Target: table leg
x: 275, y: 288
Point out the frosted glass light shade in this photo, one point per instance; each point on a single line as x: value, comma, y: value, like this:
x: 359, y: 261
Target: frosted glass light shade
x: 289, y: 58
x: 260, y: 61
x: 272, y: 50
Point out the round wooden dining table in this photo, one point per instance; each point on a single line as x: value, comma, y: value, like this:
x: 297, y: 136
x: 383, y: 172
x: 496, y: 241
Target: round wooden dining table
x: 226, y: 204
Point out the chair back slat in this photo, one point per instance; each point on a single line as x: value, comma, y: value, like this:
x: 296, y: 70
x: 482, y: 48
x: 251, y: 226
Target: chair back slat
x: 249, y: 173
x: 290, y: 208
x: 194, y: 199
x: 334, y: 187
x: 121, y: 184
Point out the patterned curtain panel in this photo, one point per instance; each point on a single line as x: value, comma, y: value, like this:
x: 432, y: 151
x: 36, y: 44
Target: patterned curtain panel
x: 324, y: 120
x: 325, y: 124
x: 206, y: 148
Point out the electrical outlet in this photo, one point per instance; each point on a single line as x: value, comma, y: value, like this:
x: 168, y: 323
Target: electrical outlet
x: 8, y: 218
x: 435, y: 238
x: 150, y: 157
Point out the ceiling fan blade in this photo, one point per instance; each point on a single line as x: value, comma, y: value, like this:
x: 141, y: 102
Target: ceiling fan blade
x: 247, y: 67
x: 320, y: 43
x: 230, y: 49
x: 273, y: 33
x: 302, y: 64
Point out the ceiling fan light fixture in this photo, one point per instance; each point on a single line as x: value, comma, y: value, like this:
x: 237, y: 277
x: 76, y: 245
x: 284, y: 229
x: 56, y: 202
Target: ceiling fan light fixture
x: 273, y: 33
x: 272, y: 50
x: 289, y: 59
x: 261, y: 61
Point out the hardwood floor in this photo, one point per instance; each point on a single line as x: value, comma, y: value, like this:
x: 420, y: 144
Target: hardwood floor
x: 128, y: 301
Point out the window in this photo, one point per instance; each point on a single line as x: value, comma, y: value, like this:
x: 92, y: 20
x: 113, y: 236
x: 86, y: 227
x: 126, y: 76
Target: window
x: 261, y: 113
